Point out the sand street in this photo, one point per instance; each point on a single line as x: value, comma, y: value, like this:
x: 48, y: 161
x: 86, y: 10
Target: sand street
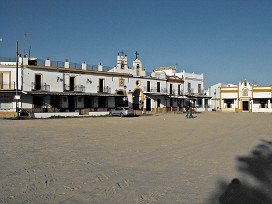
x: 162, y: 158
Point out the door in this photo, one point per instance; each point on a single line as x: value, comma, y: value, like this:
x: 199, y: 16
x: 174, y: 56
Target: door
x: 245, y: 105
x: 38, y: 82
x: 148, y: 104
x: 71, y: 103
x: 72, y: 83
x: 136, y: 100
x: 158, y: 87
x: 101, y: 85
x: 148, y: 86
x: 158, y: 103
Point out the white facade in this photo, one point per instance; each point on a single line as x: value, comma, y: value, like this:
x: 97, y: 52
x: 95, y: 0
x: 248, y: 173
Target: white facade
x: 214, y: 92
x: 245, y: 97
x: 54, y: 86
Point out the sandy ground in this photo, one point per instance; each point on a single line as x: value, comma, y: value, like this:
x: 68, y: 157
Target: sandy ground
x: 163, y: 158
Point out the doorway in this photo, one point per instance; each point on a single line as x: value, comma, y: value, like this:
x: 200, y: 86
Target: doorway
x: 101, y: 85
x: 71, y: 102
x: 136, y: 100
x: 148, y: 104
x: 245, y: 105
x: 72, y: 83
x: 38, y: 82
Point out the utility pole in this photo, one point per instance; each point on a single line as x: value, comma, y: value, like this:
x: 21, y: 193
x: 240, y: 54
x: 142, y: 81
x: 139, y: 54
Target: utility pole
x: 17, y: 97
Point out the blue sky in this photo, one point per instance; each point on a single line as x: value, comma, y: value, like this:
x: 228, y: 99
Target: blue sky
x: 226, y: 40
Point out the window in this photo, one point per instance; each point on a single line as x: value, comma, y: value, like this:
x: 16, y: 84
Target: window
x: 6, y: 102
x: 179, y: 91
x: 38, y: 82
x: 38, y: 101
x: 199, y: 102
x: 189, y: 87
x: 148, y: 86
x: 199, y: 88
x: 228, y: 102
x: 138, y: 83
x: 158, y: 87
x: 171, y: 88
x: 263, y: 103
x: 5, y: 80
x: 101, y: 85
x: 72, y: 83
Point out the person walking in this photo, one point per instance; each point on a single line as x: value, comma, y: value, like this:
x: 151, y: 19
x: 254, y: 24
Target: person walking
x: 191, y: 112
x: 187, y: 111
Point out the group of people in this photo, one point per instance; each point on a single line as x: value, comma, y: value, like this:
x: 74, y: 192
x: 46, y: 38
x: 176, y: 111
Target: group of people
x: 189, y: 112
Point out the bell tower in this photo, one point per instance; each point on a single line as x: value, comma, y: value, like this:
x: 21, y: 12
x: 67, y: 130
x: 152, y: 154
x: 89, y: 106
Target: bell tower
x: 137, y: 64
x: 122, y: 61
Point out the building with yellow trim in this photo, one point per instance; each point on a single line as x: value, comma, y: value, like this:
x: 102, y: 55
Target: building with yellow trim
x: 246, y: 97
x: 51, y: 87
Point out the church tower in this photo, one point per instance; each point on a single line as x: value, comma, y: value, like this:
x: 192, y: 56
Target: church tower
x: 137, y: 65
x: 122, y: 61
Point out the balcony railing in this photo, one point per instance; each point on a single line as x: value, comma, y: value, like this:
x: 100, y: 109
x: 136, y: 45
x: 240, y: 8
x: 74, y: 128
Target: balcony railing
x: 75, y: 65
x: 40, y: 87
x: 180, y: 93
x: 8, y: 86
x: 7, y: 59
x: 172, y: 92
x: 105, y: 89
x: 190, y: 91
x: 92, y: 67
x: 76, y: 88
x: 155, y: 90
x: 57, y: 64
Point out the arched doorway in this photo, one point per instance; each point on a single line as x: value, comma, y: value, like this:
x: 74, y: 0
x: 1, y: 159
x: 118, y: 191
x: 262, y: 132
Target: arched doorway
x: 138, y: 99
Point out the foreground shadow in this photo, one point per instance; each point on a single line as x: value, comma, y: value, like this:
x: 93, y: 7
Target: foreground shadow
x: 257, y: 188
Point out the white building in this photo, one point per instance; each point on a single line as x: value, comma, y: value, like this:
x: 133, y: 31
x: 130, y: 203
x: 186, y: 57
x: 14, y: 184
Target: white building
x: 214, y: 92
x: 55, y: 86
x: 245, y: 97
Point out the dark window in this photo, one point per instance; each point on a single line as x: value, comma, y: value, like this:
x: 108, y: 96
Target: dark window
x: 158, y: 87
x: 228, y: 102
x: 179, y: 91
x: 199, y: 88
x: 72, y: 83
x: 38, y: 101
x: 171, y: 88
x: 38, y: 82
x: 101, y: 85
x: 263, y: 103
x: 148, y: 86
x: 189, y: 87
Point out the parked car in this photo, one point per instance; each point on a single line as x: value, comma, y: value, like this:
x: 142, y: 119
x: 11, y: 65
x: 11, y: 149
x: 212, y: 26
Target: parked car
x: 122, y: 111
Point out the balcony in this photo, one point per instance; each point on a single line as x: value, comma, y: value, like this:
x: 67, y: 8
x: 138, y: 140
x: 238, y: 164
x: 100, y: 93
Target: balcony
x: 180, y: 93
x: 76, y: 88
x: 172, y: 92
x: 103, y: 89
x: 155, y: 90
x: 8, y: 86
x: 40, y: 87
x: 190, y: 91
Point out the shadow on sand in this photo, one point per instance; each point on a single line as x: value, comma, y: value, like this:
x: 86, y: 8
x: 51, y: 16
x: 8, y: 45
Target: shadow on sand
x: 257, y: 187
